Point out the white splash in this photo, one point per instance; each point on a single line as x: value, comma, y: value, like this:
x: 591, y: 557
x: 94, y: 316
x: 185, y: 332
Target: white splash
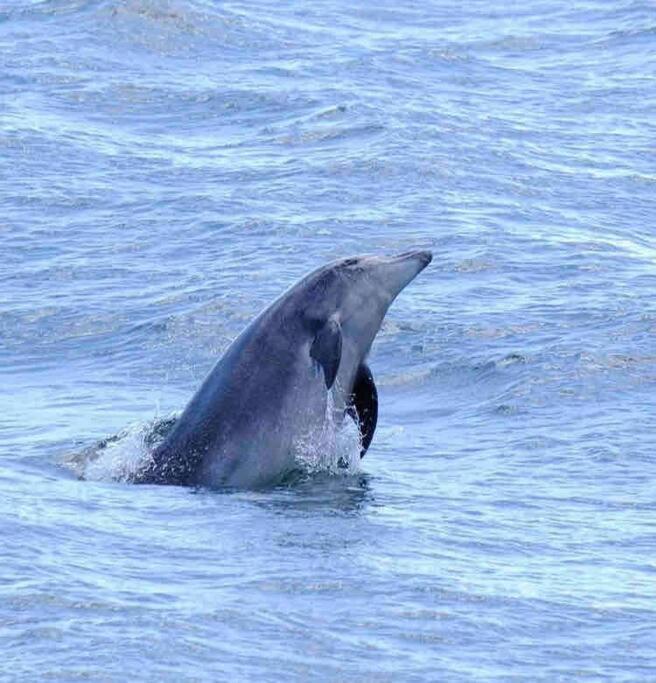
x: 120, y: 457
x: 335, y: 449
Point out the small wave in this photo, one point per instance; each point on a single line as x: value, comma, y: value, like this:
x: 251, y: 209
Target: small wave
x: 321, y: 134
x: 43, y: 8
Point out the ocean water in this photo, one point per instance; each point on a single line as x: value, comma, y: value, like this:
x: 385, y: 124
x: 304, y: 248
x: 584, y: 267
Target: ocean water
x: 168, y: 167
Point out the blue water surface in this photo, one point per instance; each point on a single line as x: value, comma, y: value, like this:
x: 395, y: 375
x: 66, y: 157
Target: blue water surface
x: 167, y: 167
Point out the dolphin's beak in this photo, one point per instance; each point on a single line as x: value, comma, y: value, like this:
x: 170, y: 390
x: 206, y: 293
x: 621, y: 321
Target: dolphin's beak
x: 422, y: 257
x: 399, y: 271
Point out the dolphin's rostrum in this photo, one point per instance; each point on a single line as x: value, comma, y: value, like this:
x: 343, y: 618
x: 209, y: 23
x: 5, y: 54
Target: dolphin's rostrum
x: 270, y: 390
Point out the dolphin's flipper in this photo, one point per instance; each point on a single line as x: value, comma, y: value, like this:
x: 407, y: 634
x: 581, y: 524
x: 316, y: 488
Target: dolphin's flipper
x: 364, y: 405
x: 327, y: 350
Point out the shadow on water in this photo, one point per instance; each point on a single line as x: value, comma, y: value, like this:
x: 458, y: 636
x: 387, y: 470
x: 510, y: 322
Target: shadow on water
x: 306, y: 493
x: 321, y: 492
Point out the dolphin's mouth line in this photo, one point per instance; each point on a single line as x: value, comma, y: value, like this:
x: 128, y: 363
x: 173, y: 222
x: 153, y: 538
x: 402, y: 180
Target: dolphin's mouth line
x: 424, y: 253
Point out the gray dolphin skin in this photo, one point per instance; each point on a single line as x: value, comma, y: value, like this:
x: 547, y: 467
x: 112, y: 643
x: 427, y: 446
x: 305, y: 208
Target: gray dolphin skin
x: 270, y: 390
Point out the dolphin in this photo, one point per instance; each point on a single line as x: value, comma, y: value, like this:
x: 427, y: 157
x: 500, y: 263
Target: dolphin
x: 270, y: 390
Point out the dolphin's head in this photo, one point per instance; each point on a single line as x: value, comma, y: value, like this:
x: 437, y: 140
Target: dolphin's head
x: 353, y: 295
x: 365, y: 287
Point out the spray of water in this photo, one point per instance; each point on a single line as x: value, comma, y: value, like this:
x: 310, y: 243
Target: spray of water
x: 120, y: 457
x: 334, y: 449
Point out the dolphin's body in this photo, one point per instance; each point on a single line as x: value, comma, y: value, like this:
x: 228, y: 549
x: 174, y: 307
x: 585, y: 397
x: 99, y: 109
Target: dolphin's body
x: 269, y: 392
